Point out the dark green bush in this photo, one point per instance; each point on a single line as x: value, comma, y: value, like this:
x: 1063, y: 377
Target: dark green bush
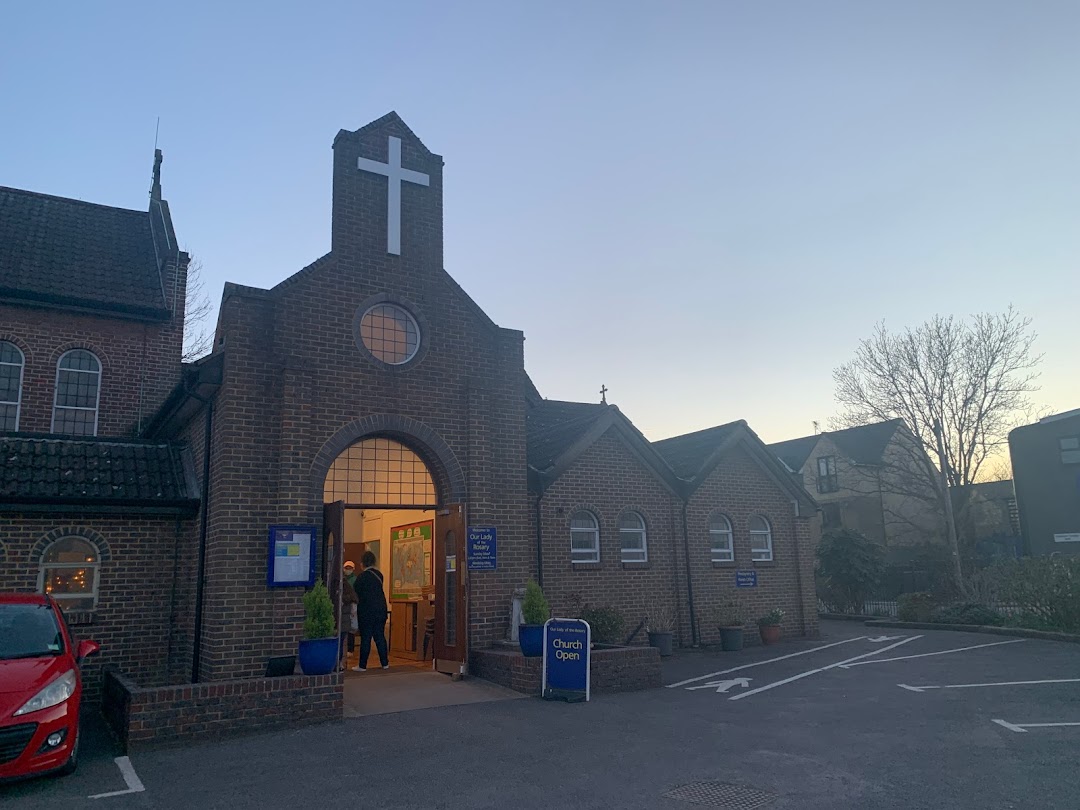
x: 606, y: 623
x: 1044, y: 589
x: 967, y: 613
x: 534, y: 607
x: 915, y: 607
x: 849, y: 569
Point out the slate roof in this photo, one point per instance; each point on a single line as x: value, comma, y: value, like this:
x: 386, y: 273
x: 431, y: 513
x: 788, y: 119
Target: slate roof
x: 687, y: 454
x: 34, y: 469
x: 553, y: 426
x: 60, y: 251
x: 863, y: 445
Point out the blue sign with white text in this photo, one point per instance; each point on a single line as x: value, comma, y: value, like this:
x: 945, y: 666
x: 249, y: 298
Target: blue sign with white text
x: 567, y: 644
x: 746, y: 579
x: 481, y: 552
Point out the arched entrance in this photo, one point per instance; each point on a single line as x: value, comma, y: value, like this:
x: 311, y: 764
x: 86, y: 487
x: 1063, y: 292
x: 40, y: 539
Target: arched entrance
x: 380, y: 497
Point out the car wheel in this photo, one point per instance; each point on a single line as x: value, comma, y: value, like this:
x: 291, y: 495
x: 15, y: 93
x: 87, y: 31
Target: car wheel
x: 73, y: 761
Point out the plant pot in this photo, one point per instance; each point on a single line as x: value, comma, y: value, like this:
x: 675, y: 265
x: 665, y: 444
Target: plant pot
x: 662, y: 640
x: 531, y: 640
x: 319, y: 656
x: 731, y: 639
x: 770, y: 633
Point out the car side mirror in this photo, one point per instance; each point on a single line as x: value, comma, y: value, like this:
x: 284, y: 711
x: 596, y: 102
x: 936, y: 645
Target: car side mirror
x: 86, y: 648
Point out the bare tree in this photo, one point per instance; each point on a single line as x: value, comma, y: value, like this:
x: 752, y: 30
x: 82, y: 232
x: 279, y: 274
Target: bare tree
x: 958, y: 386
x: 198, y: 331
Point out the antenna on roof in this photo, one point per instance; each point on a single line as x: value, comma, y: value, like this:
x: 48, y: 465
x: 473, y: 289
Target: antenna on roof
x: 155, y: 186
x: 157, y: 129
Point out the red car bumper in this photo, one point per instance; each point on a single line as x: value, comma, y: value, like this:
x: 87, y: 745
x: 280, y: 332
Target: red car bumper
x: 24, y: 750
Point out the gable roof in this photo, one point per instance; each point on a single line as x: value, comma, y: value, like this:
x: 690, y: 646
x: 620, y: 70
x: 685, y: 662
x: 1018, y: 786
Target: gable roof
x: 864, y: 444
x: 688, y: 453
x: 58, y: 251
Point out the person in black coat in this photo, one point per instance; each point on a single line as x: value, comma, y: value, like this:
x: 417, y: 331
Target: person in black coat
x: 371, y: 612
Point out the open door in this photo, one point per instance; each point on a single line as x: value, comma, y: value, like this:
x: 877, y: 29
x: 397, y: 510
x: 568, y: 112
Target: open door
x: 333, y: 554
x: 451, y: 608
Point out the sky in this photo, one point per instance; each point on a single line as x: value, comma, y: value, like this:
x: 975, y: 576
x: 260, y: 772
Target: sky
x: 701, y: 206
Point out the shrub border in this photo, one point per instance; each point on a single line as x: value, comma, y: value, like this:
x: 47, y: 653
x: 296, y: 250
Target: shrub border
x: 1046, y: 635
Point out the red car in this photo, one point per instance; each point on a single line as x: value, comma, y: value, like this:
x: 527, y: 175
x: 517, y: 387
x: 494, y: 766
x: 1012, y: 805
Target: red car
x: 40, y: 687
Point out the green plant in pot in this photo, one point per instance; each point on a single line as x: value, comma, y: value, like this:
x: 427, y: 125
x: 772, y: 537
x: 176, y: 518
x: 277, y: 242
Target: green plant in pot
x: 320, y: 645
x: 769, y: 626
x: 730, y: 618
x: 660, y: 625
x: 534, y: 612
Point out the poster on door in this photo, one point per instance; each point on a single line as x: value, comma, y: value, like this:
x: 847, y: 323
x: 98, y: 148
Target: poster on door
x: 410, y: 559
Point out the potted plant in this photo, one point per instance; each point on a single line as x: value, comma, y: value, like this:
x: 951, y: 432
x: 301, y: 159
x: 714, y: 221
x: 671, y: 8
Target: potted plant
x: 730, y: 618
x: 320, y: 645
x: 534, y: 612
x: 660, y: 625
x: 769, y: 626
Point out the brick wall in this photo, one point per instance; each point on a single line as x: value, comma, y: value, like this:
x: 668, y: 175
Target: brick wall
x: 619, y: 669
x: 144, y: 718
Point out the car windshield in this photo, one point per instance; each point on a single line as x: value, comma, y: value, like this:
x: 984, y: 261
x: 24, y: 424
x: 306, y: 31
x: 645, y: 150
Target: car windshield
x: 29, y: 631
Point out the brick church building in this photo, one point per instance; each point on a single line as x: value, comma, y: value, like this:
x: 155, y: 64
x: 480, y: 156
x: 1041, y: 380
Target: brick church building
x: 364, y: 403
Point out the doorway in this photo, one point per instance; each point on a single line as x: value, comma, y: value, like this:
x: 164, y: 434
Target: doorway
x: 379, y: 498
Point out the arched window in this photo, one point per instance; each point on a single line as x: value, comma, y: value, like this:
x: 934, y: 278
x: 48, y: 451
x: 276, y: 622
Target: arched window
x: 760, y: 539
x: 632, y: 538
x: 78, y: 387
x: 584, y: 538
x: 721, y: 544
x: 69, y: 572
x: 11, y: 374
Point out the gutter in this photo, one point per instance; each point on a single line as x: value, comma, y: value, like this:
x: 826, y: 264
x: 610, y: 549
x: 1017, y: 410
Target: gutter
x: 694, y: 641
x: 539, y: 544
x: 203, y: 524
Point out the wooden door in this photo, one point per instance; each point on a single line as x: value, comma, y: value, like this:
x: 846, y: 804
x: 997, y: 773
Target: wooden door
x: 451, y: 604
x: 334, y: 556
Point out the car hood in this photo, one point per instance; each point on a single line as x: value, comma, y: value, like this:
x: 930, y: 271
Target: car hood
x: 22, y: 678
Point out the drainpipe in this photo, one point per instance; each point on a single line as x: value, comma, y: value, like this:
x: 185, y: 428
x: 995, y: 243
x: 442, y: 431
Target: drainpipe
x: 689, y: 579
x: 539, y: 545
x: 197, y: 643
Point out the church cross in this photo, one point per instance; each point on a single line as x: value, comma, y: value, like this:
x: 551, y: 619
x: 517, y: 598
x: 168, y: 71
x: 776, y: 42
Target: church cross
x: 394, y: 174
x: 603, y: 394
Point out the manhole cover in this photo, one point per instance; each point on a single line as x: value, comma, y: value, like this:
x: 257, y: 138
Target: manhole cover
x: 721, y: 794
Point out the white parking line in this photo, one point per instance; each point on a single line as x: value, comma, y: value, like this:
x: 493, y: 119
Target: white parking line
x: 767, y: 661
x: 976, y: 685
x: 801, y: 675
x: 131, y: 779
x: 939, y: 652
x: 1021, y: 728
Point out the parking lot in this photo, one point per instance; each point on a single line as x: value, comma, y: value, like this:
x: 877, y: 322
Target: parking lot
x: 855, y: 719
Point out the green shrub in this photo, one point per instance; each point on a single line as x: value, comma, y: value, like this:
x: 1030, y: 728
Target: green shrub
x: 774, y: 616
x: 731, y: 613
x: 967, y: 613
x: 849, y: 569
x: 1043, y: 589
x: 915, y: 607
x: 606, y: 623
x: 319, y: 613
x: 534, y: 608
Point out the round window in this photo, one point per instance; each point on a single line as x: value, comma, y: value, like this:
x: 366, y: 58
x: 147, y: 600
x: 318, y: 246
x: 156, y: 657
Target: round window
x: 390, y: 333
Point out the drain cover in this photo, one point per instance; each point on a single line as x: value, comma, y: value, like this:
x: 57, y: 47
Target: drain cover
x: 721, y: 794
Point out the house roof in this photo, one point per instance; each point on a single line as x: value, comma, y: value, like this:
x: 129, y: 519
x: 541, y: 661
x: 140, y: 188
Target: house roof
x: 552, y: 427
x: 39, y: 469
x: 688, y: 453
x: 864, y: 444
x: 59, y: 251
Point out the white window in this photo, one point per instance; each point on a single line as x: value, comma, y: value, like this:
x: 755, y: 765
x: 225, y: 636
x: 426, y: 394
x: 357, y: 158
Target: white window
x: 632, y: 538
x: 720, y: 540
x: 78, y: 388
x: 584, y: 538
x: 760, y: 539
x: 11, y: 375
x: 69, y: 573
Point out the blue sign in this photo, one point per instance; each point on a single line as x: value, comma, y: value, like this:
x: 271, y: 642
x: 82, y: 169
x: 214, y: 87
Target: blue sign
x: 567, y: 645
x: 746, y: 579
x: 291, y: 556
x: 480, y: 552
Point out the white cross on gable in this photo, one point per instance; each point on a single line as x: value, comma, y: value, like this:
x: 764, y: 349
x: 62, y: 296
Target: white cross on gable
x: 394, y: 174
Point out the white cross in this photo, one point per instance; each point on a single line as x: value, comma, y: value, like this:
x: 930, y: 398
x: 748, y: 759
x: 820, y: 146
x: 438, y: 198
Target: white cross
x: 394, y: 174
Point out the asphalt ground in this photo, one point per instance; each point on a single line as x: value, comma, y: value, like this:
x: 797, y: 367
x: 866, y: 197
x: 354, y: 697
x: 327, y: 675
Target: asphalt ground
x: 816, y: 735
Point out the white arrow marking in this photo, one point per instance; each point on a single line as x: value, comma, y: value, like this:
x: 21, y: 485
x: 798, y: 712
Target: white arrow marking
x: 722, y: 686
x: 879, y: 639
x: 924, y: 687
x: 131, y: 779
x: 939, y: 652
x: 1023, y: 727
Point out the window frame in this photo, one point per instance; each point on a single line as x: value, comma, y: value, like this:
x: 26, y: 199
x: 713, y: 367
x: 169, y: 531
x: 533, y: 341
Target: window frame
x: 56, y: 391
x: 757, y: 533
x: 826, y: 481
x: 595, y: 531
x: 641, y: 533
x: 18, y: 389
x: 410, y: 319
x: 713, y: 533
x: 44, y: 566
